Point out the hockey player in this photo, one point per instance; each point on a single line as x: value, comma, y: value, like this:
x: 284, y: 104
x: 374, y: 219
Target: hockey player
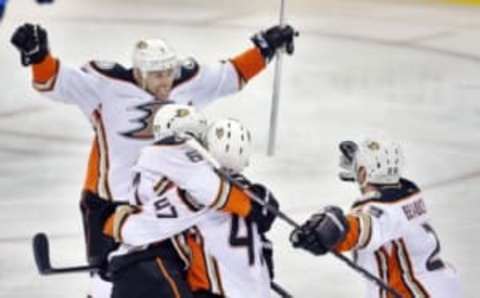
x: 388, y: 228
x: 120, y: 103
x: 174, y: 189
x: 231, y: 255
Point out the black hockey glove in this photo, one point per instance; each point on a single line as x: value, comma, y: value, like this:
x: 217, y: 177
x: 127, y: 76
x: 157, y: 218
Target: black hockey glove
x: 259, y: 214
x: 95, y: 211
x: 321, y: 232
x: 32, y: 42
x: 267, y: 251
x: 348, y: 149
x: 274, y: 38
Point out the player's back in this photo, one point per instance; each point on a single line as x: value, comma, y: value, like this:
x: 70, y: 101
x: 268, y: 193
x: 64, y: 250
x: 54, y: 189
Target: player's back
x: 161, y: 175
x: 234, y: 265
x: 403, y: 249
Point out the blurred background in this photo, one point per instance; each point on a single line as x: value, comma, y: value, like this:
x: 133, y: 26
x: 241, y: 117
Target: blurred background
x: 409, y: 70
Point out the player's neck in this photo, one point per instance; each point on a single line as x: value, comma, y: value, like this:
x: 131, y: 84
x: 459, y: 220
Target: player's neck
x: 367, y: 189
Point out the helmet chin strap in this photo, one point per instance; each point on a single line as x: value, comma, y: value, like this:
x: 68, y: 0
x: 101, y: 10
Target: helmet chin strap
x: 361, y: 177
x: 140, y: 78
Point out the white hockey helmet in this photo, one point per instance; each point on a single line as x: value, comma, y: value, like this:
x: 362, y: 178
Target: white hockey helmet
x: 382, y: 160
x: 230, y: 143
x: 176, y: 120
x: 154, y: 55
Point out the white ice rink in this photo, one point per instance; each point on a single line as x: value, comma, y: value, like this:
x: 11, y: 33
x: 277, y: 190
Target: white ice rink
x: 405, y: 70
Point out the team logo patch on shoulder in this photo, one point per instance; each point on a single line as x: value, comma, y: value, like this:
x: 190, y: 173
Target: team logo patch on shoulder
x: 375, y: 211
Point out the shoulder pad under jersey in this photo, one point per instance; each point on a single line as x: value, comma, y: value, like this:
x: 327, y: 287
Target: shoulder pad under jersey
x: 188, y: 69
x: 173, y: 140
x: 404, y: 189
x: 113, y: 70
x: 391, y: 193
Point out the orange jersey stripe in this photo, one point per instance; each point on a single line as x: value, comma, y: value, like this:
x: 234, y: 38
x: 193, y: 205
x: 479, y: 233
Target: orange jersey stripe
x: 45, y: 74
x: 249, y: 63
x: 96, y: 179
x: 45, y: 70
x: 91, y: 179
x: 108, y: 226
x: 352, y: 236
x: 197, y: 276
x: 237, y: 202
x: 167, y: 276
x: 395, y: 275
x: 416, y: 286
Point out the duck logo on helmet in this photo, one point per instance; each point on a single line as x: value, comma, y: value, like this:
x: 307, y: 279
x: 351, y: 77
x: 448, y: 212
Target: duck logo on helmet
x: 181, y: 113
x: 372, y: 145
x: 142, y: 44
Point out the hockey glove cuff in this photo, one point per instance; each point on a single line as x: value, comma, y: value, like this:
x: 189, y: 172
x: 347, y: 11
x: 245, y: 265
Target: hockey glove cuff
x: 259, y: 213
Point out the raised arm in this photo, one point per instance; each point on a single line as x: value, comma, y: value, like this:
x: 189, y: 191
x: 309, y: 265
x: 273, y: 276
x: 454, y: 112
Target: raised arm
x: 52, y: 78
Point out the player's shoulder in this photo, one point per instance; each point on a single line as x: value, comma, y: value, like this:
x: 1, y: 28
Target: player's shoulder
x: 403, y: 198
x: 111, y: 70
x: 189, y: 69
x: 389, y: 195
x: 168, y: 148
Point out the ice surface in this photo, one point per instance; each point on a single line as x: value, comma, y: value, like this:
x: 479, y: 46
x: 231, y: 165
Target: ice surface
x: 407, y: 70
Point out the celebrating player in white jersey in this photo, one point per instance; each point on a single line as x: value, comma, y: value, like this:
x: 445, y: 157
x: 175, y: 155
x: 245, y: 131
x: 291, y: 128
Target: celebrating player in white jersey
x: 231, y: 256
x: 388, y: 229
x: 175, y: 188
x: 121, y: 102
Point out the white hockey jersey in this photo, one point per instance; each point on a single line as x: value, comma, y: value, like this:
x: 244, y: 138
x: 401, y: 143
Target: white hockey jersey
x: 178, y: 190
x: 391, y: 236
x: 227, y: 257
x: 122, y: 113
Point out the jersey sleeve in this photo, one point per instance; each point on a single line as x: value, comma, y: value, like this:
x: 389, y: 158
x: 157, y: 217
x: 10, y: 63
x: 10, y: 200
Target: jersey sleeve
x: 69, y: 85
x: 145, y: 227
x: 185, y: 167
x: 371, y: 226
x: 226, y: 77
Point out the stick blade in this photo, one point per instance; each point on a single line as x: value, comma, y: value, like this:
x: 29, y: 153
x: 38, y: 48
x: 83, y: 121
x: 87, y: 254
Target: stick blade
x: 41, y: 253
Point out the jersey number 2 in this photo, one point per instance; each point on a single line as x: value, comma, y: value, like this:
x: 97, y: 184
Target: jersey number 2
x: 433, y: 262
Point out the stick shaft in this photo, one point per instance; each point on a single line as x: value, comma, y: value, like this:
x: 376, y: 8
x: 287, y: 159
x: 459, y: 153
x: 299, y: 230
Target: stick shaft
x: 280, y: 290
x: 75, y: 269
x: 275, y: 104
x: 276, y: 91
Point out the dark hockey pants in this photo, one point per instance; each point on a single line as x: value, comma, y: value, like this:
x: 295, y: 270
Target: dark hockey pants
x: 156, y: 273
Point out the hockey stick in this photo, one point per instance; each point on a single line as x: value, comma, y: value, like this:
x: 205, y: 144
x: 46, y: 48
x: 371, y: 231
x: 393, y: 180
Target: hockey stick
x: 41, y: 252
x: 195, y: 145
x: 279, y: 290
x: 276, y: 90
